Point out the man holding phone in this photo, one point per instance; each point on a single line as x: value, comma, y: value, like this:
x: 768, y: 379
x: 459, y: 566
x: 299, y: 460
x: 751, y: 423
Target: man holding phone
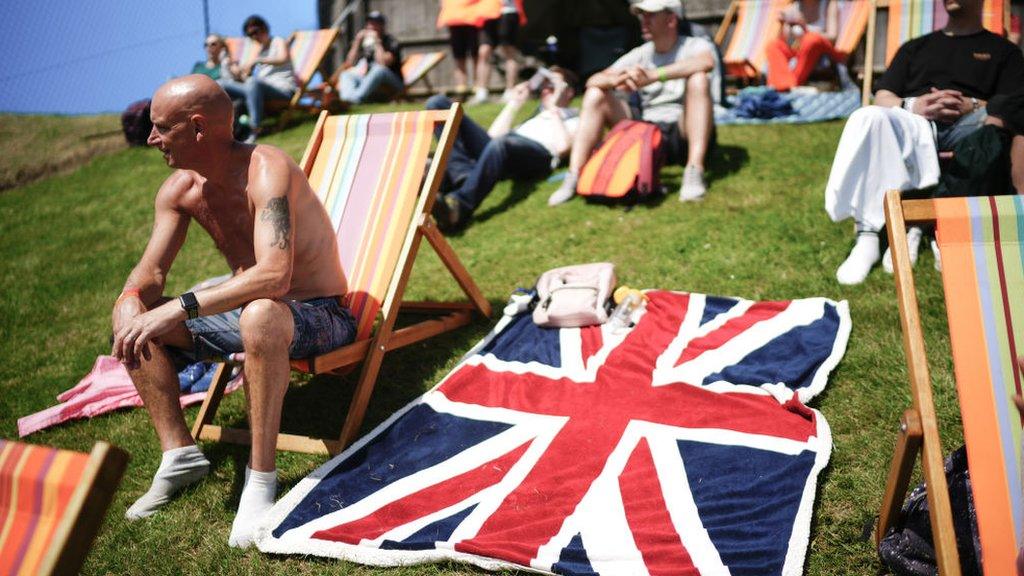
x: 480, y: 159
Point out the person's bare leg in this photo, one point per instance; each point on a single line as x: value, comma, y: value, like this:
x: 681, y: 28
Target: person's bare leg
x: 600, y: 108
x: 483, y: 73
x: 461, y: 73
x: 695, y: 123
x: 267, y: 329
x: 698, y: 118
x: 1017, y: 163
x: 182, y: 463
x: 511, y: 56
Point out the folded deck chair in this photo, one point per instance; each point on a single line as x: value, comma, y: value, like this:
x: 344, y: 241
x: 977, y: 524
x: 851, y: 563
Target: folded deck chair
x: 52, y: 503
x: 416, y: 66
x: 368, y: 170
x: 981, y: 241
x: 853, y: 21
x: 909, y: 19
x: 307, y: 49
x: 756, y: 24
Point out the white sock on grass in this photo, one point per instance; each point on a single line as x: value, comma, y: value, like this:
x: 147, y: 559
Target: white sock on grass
x: 863, y: 256
x: 257, y: 497
x: 179, y: 467
x: 566, y: 191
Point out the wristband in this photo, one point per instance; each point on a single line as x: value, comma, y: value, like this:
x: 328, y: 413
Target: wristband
x: 974, y: 104
x: 128, y: 292
x: 190, y: 305
x: 908, y: 103
x: 662, y: 76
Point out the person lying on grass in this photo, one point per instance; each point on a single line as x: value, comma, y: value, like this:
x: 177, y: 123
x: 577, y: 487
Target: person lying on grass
x: 281, y: 302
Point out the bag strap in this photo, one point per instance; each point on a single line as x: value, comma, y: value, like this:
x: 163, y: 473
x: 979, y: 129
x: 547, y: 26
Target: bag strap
x: 645, y: 177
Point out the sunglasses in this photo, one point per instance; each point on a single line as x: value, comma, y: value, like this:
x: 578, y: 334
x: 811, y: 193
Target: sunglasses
x: 253, y: 31
x: 208, y: 44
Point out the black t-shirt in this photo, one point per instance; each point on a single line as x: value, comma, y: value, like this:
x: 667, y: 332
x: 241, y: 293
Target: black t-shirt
x: 391, y: 45
x: 979, y: 65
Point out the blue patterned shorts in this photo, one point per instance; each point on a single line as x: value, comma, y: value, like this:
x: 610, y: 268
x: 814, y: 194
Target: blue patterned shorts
x: 321, y: 325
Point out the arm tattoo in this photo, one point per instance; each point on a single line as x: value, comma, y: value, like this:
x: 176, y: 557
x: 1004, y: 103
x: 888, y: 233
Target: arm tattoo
x: 278, y: 215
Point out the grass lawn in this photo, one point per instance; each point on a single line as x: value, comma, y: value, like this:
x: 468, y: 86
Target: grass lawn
x: 69, y: 241
x: 33, y: 147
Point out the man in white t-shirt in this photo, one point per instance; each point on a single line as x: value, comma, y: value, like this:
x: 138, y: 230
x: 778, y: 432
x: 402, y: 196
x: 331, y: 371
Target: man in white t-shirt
x: 671, y: 77
x: 480, y: 159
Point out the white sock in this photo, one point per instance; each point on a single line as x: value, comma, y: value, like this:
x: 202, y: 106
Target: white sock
x: 863, y: 256
x: 257, y: 497
x: 566, y: 191
x: 914, y: 235
x: 179, y: 467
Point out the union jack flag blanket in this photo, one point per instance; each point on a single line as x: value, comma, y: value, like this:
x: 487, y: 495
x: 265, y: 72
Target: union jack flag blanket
x: 680, y: 446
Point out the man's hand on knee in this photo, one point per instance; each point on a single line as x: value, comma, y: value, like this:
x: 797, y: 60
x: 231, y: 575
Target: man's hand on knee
x: 135, y: 328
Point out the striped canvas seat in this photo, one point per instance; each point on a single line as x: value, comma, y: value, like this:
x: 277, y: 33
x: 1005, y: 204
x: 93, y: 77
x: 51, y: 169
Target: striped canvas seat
x: 909, y: 19
x: 373, y: 176
x: 416, y: 66
x: 853, y: 20
x: 51, y: 505
x: 242, y: 49
x: 981, y: 241
x: 757, y: 24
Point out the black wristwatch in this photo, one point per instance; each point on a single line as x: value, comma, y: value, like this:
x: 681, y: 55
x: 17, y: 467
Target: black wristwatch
x: 190, y: 305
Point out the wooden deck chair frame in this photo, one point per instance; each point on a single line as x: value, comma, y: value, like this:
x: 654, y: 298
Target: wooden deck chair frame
x: 437, y: 57
x: 869, y: 56
x: 80, y: 522
x: 750, y: 69
x: 386, y: 338
x: 919, y: 432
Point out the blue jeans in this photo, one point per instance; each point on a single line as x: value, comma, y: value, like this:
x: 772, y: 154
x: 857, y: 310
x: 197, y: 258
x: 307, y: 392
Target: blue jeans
x: 357, y: 88
x: 478, y: 162
x: 255, y: 91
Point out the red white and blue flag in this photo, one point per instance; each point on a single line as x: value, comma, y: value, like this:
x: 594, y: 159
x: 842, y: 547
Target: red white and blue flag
x: 682, y: 446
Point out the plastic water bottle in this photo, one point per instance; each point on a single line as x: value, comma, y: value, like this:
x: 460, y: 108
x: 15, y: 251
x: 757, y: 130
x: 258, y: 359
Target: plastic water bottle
x: 628, y: 300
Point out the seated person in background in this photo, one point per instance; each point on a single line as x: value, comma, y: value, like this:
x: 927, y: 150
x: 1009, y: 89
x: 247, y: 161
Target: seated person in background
x: 268, y: 76
x: 374, y: 64
x: 932, y: 96
x: 672, y: 75
x: 530, y: 151
x: 809, y: 28
x: 218, y: 62
x: 281, y: 302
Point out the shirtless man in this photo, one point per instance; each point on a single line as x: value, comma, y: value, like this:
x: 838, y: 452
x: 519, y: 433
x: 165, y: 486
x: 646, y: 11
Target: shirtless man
x: 281, y: 301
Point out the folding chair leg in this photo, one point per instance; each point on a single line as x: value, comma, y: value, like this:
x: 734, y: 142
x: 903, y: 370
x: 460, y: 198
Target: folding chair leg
x: 212, y: 401
x: 361, y: 394
x: 908, y: 444
x: 451, y: 261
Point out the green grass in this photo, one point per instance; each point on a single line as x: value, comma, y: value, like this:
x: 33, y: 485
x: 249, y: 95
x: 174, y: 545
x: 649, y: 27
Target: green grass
x: 69, y: 241
x: 32, y: 147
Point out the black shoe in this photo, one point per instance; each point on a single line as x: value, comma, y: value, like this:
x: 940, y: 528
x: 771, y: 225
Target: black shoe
x: 448, y: 213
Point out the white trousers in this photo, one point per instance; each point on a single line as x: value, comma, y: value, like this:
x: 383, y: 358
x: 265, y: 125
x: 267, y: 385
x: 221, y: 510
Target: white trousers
x: 881, y: 149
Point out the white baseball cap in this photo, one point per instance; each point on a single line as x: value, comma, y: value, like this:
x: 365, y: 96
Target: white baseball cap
x: 674, y: 6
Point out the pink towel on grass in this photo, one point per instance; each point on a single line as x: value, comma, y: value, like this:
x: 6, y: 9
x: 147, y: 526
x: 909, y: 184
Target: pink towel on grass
x: 105, y: 388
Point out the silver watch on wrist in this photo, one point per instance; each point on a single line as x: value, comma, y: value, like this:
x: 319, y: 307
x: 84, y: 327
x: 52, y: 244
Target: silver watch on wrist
x: 908, y: 103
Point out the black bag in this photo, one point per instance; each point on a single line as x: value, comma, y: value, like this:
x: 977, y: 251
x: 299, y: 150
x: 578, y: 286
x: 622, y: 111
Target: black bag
x: 907, y: 548
x: 136, y: 123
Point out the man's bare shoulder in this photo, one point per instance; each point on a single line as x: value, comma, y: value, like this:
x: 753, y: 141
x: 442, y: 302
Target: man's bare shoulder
x: 176, y: 186
x: 272, y: 171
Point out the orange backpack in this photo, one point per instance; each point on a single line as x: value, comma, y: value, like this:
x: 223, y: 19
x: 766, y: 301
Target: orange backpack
x: 628, y: 159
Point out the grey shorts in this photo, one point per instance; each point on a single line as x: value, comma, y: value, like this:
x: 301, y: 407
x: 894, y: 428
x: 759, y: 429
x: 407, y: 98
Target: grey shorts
x: 321, y: 325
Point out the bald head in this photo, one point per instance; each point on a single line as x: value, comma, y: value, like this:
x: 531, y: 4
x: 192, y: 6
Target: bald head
x: 196, y: 94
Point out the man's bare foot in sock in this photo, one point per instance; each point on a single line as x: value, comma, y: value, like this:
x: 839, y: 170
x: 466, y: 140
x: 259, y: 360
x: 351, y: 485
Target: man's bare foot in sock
x: 864, y: 255
x: 178, y: 468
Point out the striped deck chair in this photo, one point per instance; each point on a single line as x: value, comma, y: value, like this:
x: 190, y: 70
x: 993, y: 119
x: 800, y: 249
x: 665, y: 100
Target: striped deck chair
x: 368, y: 170
x: 981, y: 241
x: 416, y: 66
x: 757, y: 24
x: 853, y: 21
x: 52, y: 503
x: 909, y: 19
x: 307, y: 49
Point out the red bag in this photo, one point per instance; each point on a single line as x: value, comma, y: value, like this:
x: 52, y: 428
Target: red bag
x: 629, y: 158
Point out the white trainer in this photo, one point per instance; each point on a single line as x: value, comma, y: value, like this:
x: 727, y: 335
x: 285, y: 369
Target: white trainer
x: 479, y: 97
x: 693, y: 187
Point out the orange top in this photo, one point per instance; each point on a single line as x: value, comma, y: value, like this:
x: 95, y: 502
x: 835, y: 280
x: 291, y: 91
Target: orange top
x: 473, y: 12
